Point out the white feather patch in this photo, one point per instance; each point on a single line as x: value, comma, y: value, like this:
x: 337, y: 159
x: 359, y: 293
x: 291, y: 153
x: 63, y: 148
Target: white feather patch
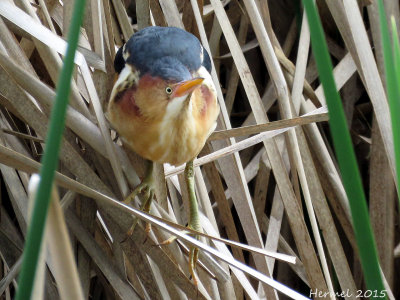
x: 123, y: 76
x: 202, y: 72
x: 125, y: 54
x: 174, y: 109
x: 126, y: 79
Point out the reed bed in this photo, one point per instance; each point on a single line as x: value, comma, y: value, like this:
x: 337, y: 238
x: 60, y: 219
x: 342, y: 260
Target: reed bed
x: 275, y: 209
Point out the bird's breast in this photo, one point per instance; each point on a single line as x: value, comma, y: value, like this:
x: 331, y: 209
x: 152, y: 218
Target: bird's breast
x: 178, y: 135
x: 184, y: 130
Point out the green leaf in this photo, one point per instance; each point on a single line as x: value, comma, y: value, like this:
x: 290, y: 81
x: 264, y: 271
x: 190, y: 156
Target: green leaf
x: 50, y: 161
x: 392, y: 72
x: 345, y: 154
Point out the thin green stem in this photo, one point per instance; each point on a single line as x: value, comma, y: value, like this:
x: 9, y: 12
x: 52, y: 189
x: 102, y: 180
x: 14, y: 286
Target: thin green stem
x: 345, y: 154
x: 50, y: 161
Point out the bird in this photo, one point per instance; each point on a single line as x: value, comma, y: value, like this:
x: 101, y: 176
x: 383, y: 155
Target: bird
x: 164, y: 106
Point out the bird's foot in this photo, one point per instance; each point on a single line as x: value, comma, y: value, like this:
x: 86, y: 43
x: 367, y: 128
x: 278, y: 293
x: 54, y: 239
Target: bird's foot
x: 146, y: 187
x: 193, y: 256
x: 193, y: 251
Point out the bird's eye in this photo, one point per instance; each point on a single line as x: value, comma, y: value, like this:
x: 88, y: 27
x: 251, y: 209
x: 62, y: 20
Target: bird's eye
x: 168, y: 90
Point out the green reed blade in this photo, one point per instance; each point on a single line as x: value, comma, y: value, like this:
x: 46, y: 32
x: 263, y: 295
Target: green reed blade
x: 345, y: 154
x: 392, y: 72
x: 50, y: 161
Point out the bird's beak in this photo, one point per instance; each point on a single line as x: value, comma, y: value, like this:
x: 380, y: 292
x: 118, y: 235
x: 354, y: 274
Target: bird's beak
x: 186, y: 87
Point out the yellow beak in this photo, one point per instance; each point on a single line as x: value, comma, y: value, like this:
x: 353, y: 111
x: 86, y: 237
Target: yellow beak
x: 186, y: 87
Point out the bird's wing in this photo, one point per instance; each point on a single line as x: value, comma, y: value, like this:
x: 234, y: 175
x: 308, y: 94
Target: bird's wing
x: 119, y: 61
x: 206, y: 60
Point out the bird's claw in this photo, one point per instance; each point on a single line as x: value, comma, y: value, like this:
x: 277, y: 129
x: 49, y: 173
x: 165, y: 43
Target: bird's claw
x: 193, y: 254
x: 146, y: 188
x: 170, y: 240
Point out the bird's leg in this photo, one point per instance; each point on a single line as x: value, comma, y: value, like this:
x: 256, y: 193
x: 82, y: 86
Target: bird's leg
x: 194, y: 221
x: 147, y: 188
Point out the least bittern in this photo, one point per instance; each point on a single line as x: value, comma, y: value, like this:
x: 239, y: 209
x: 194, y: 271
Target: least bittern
x: 164, y: 105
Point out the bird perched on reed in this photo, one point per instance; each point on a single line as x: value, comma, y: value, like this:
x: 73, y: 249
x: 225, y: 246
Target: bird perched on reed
x: 164, y: 106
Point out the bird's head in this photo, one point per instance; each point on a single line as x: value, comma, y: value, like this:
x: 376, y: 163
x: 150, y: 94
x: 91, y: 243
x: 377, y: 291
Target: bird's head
x: 166, y: 85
